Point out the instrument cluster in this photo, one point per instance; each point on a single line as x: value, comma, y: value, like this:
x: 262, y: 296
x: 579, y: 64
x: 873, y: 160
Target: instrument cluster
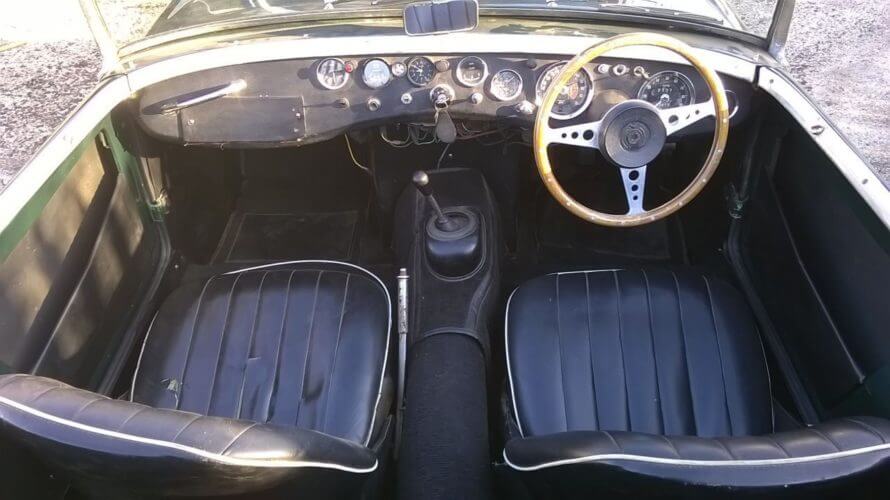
x: 664, y: 88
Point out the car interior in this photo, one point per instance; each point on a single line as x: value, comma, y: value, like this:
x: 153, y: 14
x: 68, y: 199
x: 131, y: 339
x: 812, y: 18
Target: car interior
x: 349, y: 277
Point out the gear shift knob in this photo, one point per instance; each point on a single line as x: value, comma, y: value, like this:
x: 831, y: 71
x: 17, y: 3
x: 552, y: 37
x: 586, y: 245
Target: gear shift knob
x: 422, y: 182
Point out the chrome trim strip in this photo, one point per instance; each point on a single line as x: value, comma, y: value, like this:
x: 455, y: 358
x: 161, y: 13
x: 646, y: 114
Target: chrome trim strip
x: 388, y: 325
x: 697, y: 463
x: 216, y: 457
x: 845, y: 157
x: 452, y: 43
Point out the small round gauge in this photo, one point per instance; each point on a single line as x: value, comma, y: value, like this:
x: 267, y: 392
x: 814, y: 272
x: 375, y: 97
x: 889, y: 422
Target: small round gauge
x: 471, y: 71
x: 421, y: 71
x: 398, y: 69
x: 506, y: 85
x: 668, y: 89
x: 376, y: 73
x: 331, y: 73
x: 575, y: 96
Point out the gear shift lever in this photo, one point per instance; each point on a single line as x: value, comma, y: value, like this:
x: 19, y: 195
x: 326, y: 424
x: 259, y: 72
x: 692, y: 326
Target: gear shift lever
x: 422, y: 182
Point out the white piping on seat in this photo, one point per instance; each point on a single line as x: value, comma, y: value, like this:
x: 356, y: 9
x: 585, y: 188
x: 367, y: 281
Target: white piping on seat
x: 216, y: 457
x: 697, y: 463
x: 141, y: 352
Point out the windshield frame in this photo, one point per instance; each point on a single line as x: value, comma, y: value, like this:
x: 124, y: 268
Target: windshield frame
x: 544, y: 13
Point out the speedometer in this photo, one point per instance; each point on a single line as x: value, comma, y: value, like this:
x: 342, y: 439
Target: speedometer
x: 668, y: 89
x: 506, y: 85
x: 421, y: 71
x: 574, y: 97
x: 376, y: 73
x: 331, y: 73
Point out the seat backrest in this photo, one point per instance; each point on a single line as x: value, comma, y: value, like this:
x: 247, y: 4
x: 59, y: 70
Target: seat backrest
x: 107, y: 445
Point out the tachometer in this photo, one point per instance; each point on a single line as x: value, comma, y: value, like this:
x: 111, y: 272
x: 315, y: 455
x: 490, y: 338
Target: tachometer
x: 471, y: 71
x: 506, y: 85
x: 574, y: 97
x: 331, y: 73
x: 376, y: 73
x: 421, y: 71
x: 668, y: 89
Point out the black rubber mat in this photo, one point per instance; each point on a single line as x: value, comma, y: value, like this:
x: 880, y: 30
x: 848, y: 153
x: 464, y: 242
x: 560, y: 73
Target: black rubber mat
x: 260, y: 237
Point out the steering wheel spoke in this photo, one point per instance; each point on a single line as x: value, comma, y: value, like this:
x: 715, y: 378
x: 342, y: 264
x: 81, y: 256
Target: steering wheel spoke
x: 585, y: 135
x: 676, y: 119
x: 634, y: 185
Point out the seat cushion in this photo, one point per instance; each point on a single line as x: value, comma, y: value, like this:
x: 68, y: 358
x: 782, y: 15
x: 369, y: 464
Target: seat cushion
x: 654, y: 352
x: 298, y: 344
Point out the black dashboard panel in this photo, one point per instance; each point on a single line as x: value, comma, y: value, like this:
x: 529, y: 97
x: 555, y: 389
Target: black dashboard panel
x: 284, y: 102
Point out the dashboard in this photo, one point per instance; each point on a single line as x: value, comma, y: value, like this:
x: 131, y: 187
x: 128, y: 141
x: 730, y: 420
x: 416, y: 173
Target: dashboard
x: 300, y: 101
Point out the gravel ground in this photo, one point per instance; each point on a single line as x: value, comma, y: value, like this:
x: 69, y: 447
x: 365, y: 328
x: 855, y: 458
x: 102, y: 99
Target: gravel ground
x: 838, y: 50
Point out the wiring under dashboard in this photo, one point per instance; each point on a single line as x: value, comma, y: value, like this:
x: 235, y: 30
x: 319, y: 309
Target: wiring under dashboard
x: 421, y: 134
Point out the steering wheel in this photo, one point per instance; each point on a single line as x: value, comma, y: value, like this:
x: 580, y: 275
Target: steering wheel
x: 631, y: 134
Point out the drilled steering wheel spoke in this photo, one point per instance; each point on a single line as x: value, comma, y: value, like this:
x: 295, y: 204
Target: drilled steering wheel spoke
x: 676, y: 119
x: 634, y: 185
x: 585, y: 135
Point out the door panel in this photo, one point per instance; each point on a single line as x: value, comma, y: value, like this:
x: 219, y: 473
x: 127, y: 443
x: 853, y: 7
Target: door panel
x: 70, y: 286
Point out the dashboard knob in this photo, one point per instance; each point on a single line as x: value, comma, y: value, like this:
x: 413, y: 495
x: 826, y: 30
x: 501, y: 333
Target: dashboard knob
x: 442, y: 65
x: 476, y: 98
x: 525, y: 108
x: 373, y: 104
x: 406, y: 98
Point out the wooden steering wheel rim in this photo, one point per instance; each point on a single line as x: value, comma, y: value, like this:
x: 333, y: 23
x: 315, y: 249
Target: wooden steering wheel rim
x: 721, y: 130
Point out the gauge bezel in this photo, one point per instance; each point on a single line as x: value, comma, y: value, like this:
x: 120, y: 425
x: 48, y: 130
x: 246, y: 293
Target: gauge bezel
x: 402, y: 71
x: 587, y: 100
x: 385, y: 65
x: 458, y: 76
x: 674, y: 72
x: 408, y: 71
x: 512, y: 97
x: 318, y: 73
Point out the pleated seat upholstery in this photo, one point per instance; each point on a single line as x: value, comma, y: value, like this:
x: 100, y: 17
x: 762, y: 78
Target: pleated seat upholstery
x: 655, y: 384
x: 298, y: 345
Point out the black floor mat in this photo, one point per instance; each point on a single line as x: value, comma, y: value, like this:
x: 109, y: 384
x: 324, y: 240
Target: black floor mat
x: 278, y: 236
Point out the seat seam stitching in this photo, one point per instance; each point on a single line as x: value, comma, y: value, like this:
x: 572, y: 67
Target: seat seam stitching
x: 562, y: 375
x: 779, y: 445
x: 825, y: 437
x: 284, y: 310
x: 621, y: 349
x: 44, y: 393
x: 308, y: 349
x: 188, y: 352
x: 596, y: 416
x: 186, y: 426
x: 867, y: 427
x: 614, y: 441
x: 120, y: 426
x: 84, y: 407
x: 671, y: 444
x: 237, y: 437
x: 222, y: 341
x: 324, y: 414
x: 654, y: 351
x: 251, y: 344
x: 725, y: 447
x: 685, y: 353
x: 719, y: 355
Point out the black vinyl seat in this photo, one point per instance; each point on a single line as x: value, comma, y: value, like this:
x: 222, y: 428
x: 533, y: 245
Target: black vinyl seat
x: 269, y: 379
x: 655, y: 383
